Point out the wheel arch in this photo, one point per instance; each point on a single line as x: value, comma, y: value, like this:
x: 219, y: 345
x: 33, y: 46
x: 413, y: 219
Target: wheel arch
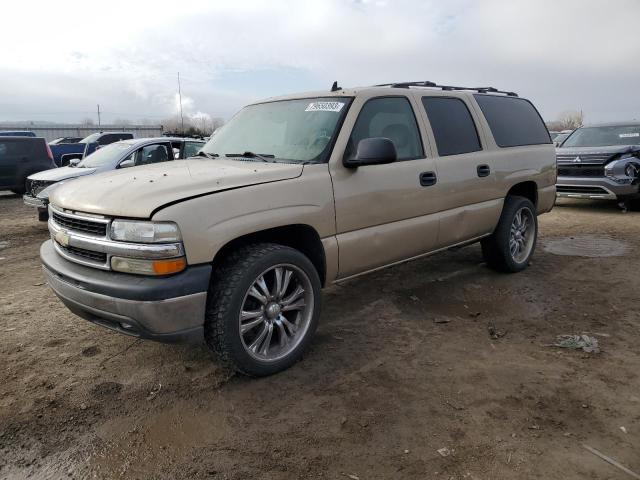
x: 528, y: 189
x: 301, y: 237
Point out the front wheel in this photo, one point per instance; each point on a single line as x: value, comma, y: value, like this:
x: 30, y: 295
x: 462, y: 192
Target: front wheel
x: 263, y: 308
x: 511, y: 245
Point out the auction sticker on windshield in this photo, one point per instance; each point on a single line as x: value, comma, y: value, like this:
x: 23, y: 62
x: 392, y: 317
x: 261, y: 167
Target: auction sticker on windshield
x: 324, y: 107
x: 629, y: 135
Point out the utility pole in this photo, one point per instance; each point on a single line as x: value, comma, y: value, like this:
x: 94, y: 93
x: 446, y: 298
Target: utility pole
x: 98, y: 114
x: 180, y: 98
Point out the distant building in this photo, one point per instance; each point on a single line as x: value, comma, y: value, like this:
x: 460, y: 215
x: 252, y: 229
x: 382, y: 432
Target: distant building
x: 51, y: 132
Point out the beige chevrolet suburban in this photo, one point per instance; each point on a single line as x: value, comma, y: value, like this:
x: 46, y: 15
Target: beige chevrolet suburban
x: 233, y: 246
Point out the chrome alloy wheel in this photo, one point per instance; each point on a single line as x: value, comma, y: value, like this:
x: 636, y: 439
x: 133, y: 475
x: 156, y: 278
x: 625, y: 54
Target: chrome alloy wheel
x: 276, y: 312
x: 522, y: 235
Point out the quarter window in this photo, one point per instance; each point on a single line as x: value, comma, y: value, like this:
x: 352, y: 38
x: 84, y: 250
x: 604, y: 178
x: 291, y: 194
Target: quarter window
x: 452, y: 125
x: 392, y: 118
x: 513, y: 121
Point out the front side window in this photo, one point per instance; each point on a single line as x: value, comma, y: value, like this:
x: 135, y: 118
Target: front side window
x: 392, y: 118
x: 152, y: 154
x: 513, y: 121
x: 452, y: 125
x: 604, y: 136
x: 287, y: 130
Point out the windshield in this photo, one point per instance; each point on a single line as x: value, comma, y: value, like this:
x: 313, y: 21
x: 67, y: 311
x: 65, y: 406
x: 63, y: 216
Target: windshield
x: 90, y: 139
x: 604, y: 136
x: 561, y: 137
x: 106, y: 155
x: 288, y: 130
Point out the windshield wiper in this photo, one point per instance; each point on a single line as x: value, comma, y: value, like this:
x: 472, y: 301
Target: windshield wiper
x: 265, y: 157
x: 207, y: 154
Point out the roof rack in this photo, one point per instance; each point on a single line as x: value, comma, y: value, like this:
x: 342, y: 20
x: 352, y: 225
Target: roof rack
x: 429, y: 84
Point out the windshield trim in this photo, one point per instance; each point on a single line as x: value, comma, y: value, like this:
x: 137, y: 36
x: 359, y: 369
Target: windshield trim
x: 322, y: 157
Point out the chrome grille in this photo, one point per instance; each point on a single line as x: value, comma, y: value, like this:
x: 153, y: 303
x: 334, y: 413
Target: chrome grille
x: 80, y: 224
x: 597, y: 158
x: 83, y: 253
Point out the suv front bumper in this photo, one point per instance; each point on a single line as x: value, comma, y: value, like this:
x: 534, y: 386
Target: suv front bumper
x: 166, y: 309
x: 594, y: 187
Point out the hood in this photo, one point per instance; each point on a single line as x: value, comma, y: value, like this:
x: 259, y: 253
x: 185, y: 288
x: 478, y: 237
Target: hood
x: 138, y: 191
x: 62, y: 173
x: 594, y: 154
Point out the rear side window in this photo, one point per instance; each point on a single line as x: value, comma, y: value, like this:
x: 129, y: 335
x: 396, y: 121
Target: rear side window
x: 14, y: 148
x: 392, y: 118
x: 513, y: 121
x: 452, y: 125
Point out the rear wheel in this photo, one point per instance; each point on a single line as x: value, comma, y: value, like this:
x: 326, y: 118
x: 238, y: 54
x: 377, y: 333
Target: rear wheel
x: 263, y: 308
x: 513, y: 242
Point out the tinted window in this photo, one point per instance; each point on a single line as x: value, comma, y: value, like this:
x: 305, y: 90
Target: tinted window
x: 452, y: 125
x: 513, y: 121
x: 392, y: 118
x: 14, y: 148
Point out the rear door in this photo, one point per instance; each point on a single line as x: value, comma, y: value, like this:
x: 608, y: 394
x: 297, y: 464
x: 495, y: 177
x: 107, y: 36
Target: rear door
x: 465, y: 169
x: 384, y: 212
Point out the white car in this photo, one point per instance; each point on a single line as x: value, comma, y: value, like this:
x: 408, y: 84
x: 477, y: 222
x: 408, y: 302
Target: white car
x: 123, y: 154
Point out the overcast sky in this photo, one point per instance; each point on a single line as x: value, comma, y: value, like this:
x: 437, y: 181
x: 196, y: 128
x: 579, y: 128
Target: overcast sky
x: 60, y: 58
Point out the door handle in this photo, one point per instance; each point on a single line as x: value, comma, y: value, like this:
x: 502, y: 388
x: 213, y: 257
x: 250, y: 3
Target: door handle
x: 428, y: 178
x: 484, y: 170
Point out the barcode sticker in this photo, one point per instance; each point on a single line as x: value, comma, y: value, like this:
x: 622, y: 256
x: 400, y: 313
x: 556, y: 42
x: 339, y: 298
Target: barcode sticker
x: 629, y: 135
x: 324, y: 107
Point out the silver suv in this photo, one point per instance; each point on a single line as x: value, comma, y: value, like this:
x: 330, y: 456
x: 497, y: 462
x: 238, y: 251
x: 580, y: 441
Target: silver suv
x: 293, y: 194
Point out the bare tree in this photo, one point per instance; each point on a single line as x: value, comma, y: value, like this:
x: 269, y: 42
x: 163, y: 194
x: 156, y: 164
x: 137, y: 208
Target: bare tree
x: 122, y: 121
x: 571, y: 119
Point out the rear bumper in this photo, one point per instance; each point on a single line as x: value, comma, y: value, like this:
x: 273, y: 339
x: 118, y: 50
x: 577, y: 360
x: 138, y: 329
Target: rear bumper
x: 597, y: 188
x: 166, y: 309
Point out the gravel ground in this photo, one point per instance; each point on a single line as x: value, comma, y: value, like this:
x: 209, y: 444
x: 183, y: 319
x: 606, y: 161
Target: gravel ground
x: 403, y: 366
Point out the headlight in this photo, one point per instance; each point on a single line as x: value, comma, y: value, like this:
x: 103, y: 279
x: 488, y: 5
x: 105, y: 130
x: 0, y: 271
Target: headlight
x: 145, y: 232
x: 624, y: 170
x: 148, y: 267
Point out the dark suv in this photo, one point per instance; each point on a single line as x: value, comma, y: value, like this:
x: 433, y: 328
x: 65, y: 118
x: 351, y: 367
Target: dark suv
x: 21, y: 157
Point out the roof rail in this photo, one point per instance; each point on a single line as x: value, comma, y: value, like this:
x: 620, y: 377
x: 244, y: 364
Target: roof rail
x: 429, y: 84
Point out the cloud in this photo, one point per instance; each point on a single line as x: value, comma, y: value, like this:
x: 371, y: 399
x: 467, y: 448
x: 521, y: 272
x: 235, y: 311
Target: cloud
x: 562, y: 55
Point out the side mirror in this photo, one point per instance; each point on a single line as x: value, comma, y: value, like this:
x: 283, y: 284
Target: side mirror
x: 69, y: 158
x: 373, y: 151
x: 127, y: 163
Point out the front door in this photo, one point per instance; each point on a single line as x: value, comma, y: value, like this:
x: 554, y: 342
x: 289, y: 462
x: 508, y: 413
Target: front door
x: 384, y: 213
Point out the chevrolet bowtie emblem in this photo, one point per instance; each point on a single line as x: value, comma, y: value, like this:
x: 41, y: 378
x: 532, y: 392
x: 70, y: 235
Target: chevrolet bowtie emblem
x: 62, y: 238
x: 577, y: 160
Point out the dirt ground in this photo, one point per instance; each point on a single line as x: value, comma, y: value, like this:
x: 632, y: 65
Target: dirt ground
x: 403, y: 365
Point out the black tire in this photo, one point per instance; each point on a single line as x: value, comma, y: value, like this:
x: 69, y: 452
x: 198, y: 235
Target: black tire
x: 19, y: 191
x: 230, y: 282
x: 634, y: 204
x: 495, y: 248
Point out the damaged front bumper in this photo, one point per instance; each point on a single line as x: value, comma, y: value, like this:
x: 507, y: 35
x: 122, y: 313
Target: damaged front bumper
x: 166, y: 309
